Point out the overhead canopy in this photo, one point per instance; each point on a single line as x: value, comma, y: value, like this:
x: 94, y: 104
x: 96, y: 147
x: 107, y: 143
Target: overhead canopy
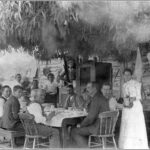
x: 102, y: 27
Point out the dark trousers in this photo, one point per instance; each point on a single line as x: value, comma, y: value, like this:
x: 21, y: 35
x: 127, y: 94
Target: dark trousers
x: 44, y: 130
x: 18, y: 127
x: 53, y: 133
x: 80, y: 136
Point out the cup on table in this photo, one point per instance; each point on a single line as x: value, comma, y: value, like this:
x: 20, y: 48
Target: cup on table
x: 84, y: 110
x: 52, y: 106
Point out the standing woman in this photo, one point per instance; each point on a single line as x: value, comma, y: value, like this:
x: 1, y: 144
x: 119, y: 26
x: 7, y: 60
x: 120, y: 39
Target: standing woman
x: 133, y: 129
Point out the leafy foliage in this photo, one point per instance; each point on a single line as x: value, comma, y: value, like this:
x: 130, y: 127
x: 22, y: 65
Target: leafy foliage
x: 44, y: 23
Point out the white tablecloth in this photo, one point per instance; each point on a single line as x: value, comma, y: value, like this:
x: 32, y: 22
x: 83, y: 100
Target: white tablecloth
x: 57, y: 120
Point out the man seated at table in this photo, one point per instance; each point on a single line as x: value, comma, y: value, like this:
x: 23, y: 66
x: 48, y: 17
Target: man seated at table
x: 73, y: 100
x: 107, y: 92
x: 90, y: 125
x: 86, y: 99
x: 35, y: 108
x: 10, y: 119
x: 6, y: 92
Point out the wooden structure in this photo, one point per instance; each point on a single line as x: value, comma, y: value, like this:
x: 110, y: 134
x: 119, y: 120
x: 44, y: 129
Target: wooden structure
x: 107, y: 127
x: 91, y: 71
x: 11, y: 135
x: 31, y: 131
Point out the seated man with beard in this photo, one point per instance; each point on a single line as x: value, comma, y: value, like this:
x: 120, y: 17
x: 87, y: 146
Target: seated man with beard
x: 35, y: 108
x: 73, y: 100
x: 90, y: 125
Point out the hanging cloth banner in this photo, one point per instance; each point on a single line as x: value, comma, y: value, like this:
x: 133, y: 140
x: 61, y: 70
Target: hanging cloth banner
x: 138, y: 67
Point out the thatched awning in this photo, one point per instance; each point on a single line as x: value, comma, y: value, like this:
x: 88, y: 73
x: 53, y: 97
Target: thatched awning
x: 82, y: 28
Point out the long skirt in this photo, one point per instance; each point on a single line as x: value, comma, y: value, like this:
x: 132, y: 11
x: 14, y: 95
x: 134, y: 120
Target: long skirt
x: 133, y: 133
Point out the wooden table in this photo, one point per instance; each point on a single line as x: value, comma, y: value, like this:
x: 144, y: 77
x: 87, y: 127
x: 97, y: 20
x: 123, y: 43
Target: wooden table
x: 64, y: 119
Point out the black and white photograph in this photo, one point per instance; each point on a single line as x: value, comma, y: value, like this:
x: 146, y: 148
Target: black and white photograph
x: 74, y: 74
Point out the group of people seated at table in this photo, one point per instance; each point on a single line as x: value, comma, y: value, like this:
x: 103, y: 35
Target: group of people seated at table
x: 11, y: 100
x: 93, y: 100
x: 11, y: 108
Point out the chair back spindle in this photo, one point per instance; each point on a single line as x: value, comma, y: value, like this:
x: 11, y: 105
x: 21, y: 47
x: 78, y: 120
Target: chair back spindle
x: 106, y: 129
x: 108, y: 122
x: 29, y: 124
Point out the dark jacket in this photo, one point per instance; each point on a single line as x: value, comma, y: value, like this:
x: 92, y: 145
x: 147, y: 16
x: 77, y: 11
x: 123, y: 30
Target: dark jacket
x: 97, y: 105
x: 10, y: 116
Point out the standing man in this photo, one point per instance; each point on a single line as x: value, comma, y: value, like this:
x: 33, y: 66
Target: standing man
x: 90, y: 125
x: 10, y: 119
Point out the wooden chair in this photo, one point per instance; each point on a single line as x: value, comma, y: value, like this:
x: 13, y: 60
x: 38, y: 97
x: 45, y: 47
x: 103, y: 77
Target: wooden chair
x: 107, y: 126
x: 31, y: 131
x: 11, y: 135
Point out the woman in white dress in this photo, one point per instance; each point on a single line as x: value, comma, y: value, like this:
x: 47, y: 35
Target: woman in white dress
x: 133, y: 133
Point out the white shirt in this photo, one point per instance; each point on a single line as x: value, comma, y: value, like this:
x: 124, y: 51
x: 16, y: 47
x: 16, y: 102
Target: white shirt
x: 2, y: 102
x: 132, y: 88
x: 51, y: 87
x: 36, y: 110
x: 47, y: 86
